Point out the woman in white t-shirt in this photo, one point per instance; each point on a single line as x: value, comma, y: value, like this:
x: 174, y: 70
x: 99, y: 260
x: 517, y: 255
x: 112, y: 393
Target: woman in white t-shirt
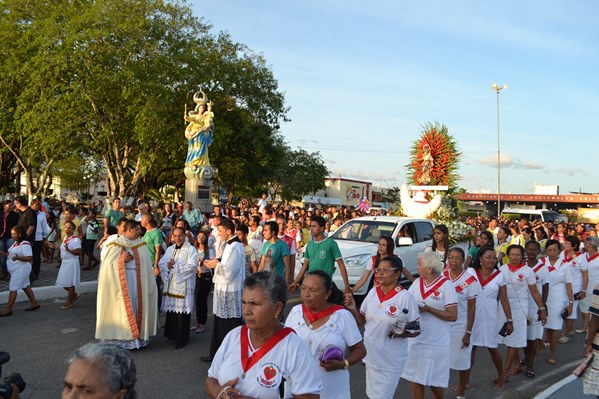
x: 429, y: 354
x: 574, y: 259
x: 69, y: 275
x: 591, y: 265
x: 325, y: 326
x: 384, y: 307
x: 253, y: 358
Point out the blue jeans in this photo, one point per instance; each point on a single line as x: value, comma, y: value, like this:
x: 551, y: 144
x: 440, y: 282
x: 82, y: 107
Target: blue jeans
x: 5, y: 243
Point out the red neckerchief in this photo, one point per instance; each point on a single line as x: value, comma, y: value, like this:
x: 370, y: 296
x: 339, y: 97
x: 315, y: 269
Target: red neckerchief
x: 447, y: 275
x: 566, y: 260
x: 312, y: 317
x: 18, y: 244
x: 487, y: 281
x: 592, y: 257
x: 248, y: 362
x: 68, y: 239
x: 436, y: 284
x: 539, y: 265
x: 384, y: 297
x: 514, y: 269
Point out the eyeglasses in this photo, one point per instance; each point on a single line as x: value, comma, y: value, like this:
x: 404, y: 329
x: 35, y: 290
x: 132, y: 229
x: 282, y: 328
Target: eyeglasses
x: 386, y: 270
x: 454, y: 258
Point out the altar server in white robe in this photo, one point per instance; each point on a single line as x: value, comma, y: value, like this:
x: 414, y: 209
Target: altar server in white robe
x: 178, y: 267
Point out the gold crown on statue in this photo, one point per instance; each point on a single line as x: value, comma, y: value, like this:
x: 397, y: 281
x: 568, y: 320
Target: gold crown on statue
x: 200, y: 100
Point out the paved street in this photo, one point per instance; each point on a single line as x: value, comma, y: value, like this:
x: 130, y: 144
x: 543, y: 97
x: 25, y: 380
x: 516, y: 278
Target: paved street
x: 41, y: 341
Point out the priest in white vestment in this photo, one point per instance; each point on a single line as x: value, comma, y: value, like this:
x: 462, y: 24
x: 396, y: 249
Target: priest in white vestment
x: 127, y: 313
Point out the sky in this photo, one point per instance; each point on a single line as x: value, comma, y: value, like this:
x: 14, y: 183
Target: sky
x: 361, y: 78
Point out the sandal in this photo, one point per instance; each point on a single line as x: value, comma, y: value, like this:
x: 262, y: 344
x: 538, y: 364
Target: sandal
x: 496, y: 379
x: 515, y: 370
x: 455, y: 387
x: 530, y: 373
x: 551, y: 360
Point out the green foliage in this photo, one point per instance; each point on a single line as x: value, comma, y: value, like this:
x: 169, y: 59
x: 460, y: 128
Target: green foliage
x: 109, y: 78
x: 302, y: 173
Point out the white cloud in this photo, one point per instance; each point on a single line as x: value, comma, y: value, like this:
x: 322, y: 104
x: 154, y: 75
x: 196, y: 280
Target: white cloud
x: 506, y: 160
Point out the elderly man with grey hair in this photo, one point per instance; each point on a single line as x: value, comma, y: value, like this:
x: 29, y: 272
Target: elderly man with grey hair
x: 590, y: 263
x: 104, y: 369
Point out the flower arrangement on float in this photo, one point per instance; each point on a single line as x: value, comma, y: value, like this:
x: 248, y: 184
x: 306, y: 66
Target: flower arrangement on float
x: 434, y: 160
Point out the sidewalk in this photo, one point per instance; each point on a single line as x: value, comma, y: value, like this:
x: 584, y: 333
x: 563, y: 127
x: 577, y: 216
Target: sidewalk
x: 44, y: 287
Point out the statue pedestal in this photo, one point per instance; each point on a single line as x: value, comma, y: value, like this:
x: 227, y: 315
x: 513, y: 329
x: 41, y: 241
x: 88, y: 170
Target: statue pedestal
x: 199, y: 193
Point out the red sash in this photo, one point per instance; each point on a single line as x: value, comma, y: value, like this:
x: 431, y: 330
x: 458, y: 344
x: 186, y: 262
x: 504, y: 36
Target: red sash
x: 487, y: 281
x: 18, y: 244
x: 592, y: 257
x: 312, y: 317
x: 67, y: 240
x: 248, y: 362
x: 384, y: 297
x: 447, y: 275
x: 465, y: 284
x: 439, y: 281
x: 538, y: 267
x: 514, y: 269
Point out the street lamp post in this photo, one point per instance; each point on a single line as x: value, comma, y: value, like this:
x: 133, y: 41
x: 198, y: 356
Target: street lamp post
x: 497, y: 90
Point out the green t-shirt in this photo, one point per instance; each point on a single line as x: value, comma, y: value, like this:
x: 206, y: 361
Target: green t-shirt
x: 275, y: 253
x: 153, y: 238
x: 322, y: 255
x: 113, y: 217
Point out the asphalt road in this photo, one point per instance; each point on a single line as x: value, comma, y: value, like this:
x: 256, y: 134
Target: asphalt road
x: 40, y: 342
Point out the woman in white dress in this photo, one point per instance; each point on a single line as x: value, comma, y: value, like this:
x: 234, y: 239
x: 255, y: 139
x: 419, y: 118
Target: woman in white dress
x: 323, y: 325
x: 429, y: 353
x: 18, y: 263
x: 520, y: 281
x: 384, y: 306
x: 574, y: 259
x: 486, y: 326
x: 591, y: 265
x: 69, y: 275
x: 560, y: 296
x: 467, y: 288
x: 534, y: 330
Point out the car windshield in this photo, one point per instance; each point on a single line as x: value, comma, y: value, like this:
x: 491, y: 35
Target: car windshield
x: 552, y: 217
x: 364, y: 230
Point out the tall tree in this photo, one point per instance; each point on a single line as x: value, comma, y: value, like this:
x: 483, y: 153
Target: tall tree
x: 300, y: 173
x: 109, y: 77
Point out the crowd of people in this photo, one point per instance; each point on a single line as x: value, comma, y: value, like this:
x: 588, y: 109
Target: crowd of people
x: 526, y: 285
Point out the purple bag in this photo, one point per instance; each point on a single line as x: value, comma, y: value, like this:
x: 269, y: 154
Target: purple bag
x: 331, y: 352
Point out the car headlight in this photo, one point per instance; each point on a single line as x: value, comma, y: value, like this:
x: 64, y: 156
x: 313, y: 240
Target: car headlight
x: 356, y: 261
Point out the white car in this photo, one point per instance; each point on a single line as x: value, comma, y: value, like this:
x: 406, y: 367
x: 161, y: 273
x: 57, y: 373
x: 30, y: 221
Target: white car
x: 358, y: 241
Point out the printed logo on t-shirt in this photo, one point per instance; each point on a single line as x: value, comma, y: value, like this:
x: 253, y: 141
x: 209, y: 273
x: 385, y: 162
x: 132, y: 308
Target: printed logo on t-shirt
x: 271, y: 376
x: 520, y: 277
x: 436, y: 295
x: 322, y: 254
x: 391, y: 311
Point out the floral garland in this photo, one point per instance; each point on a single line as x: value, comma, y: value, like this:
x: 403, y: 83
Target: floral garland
x: 436, y: 141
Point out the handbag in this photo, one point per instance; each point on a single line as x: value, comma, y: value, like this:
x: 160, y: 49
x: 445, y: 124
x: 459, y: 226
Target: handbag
x: 586, y: 362
x: 331, y: 352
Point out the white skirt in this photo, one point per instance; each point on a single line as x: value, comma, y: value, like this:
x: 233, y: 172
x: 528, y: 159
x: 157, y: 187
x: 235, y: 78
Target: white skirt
x: 574, y: 314
x: 19, y: 277
x: 554, y: 313
x: 460, y: 357
x: 517, y: 339
x: 69, y: 274
x: 427, y: 365
x: 381, y: 384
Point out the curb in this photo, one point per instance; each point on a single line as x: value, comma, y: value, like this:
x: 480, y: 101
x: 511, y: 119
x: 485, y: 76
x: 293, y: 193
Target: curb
x: 51, y: 292
x: 555, y: 387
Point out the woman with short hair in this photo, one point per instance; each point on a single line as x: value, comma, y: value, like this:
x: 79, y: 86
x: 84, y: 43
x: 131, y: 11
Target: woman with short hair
x: 254, y: 358
x: 18, y: 264
x: 560, y: 298
x: 429, y: 354
x: 493, y: 293
x: 467, y: 289
x: 104, y: 369
x: 387, y: 308
x: 591, y: 264
x: 574, y: 260
x: 329, y: 330
x: 69, y: 274
x: 520, y: 281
